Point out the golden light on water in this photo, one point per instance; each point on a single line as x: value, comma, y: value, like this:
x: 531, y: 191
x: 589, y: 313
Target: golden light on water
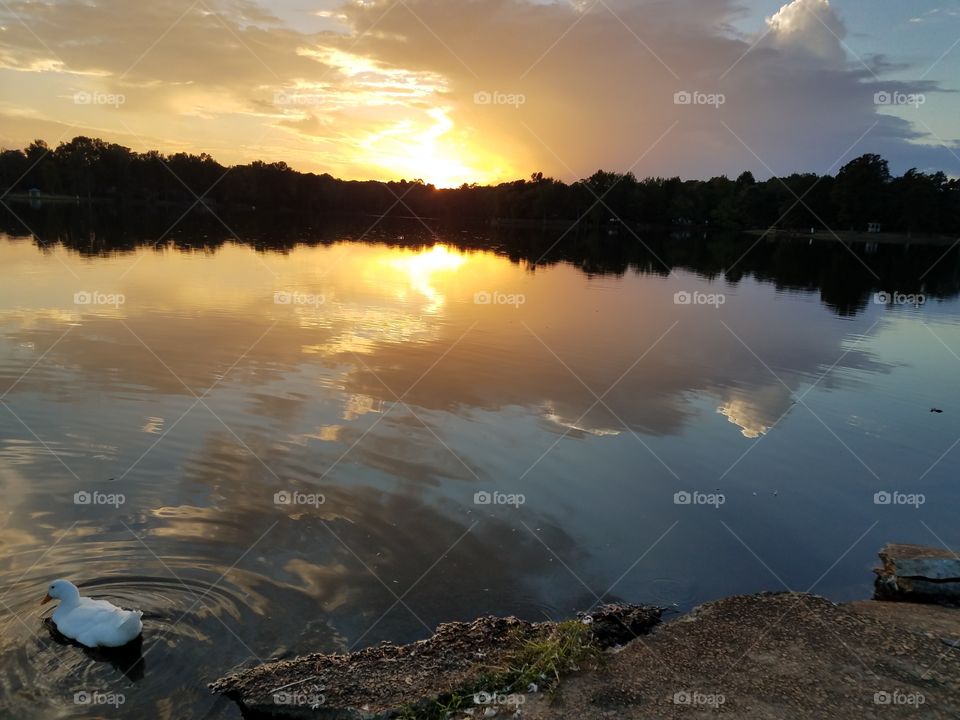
x: 421, y: 267
x: 434, y: 259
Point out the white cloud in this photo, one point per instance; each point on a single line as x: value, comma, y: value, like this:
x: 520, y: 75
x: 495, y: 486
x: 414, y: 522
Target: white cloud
x: 810, y: 27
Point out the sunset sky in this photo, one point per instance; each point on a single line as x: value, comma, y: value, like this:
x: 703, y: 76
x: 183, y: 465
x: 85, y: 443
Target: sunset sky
x: 456, y: 91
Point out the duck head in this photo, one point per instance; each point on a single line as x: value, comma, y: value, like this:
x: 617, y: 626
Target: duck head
x: 62, y: 590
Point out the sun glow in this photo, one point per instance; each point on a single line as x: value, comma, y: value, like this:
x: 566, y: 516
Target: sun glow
x: 437, y: 154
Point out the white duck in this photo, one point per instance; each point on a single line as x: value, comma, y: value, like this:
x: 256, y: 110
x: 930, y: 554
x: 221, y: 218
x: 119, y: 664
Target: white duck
x: 94, y: 623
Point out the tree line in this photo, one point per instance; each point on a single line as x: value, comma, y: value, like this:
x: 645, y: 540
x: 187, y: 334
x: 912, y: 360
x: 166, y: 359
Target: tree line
x: 863, y: 192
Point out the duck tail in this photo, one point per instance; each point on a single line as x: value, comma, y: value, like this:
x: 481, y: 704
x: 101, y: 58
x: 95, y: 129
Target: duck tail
x: 132, y: 621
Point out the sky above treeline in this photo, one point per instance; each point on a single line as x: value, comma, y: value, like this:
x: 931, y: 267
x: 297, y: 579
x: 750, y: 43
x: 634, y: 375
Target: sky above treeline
x: 455, y: 91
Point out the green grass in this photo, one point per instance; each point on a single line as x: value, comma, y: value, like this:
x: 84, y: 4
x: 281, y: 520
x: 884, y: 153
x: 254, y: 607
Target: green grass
x: 543, y: 660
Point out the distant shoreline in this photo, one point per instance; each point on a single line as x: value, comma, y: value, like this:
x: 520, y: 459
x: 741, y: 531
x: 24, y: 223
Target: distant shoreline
x: 849, y: 236
x: 864, y: 194
x: 611, y: 228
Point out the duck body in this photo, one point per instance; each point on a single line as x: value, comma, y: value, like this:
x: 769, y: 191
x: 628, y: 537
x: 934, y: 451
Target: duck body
x: 93, y: 623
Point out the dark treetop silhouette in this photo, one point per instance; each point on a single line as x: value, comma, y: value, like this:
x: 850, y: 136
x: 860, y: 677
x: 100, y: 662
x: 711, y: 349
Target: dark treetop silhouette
x: 862, y: 192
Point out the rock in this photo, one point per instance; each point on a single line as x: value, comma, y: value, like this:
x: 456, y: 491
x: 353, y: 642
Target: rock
x: 618, y: 624
x: 773, y: 657
x: 380, y: 681
x: 919, y: 574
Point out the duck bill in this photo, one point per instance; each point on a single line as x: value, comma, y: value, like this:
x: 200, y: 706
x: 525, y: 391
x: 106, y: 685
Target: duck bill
x: 46, y: 599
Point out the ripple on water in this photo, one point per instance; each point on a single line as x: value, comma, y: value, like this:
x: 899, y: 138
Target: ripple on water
x: 198, y: 620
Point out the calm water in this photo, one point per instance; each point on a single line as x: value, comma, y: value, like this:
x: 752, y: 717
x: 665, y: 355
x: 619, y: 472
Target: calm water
x: 379, y: 381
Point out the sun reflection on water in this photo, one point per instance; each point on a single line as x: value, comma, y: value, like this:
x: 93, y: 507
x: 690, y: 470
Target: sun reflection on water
x: 421, y: 267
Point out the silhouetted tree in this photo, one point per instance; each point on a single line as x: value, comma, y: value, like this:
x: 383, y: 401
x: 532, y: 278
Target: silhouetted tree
x: 861, y: 191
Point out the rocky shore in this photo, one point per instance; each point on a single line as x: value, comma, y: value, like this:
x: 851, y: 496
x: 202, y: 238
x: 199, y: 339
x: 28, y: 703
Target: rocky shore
x: 770, y: 655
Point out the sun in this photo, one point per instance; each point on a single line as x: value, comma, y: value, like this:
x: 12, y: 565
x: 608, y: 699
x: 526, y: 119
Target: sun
x: 433, y: 152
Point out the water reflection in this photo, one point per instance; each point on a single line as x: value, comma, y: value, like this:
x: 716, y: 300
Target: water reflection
x: 127, y: 661
x: 420, y: 267
x: 845, y: 275
x: 757, y: 414
x: 386, y: 380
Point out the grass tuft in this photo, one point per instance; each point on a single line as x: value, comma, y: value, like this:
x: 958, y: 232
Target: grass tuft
x: 542, y: 660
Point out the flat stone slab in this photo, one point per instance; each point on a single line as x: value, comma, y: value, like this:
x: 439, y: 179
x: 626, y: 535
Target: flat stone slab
x: 918, y: 573
x: 935, y: 621
x: 775, y: 656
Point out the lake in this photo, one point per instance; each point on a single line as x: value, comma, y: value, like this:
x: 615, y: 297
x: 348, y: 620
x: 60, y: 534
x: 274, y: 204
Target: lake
x: 338, y: 437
